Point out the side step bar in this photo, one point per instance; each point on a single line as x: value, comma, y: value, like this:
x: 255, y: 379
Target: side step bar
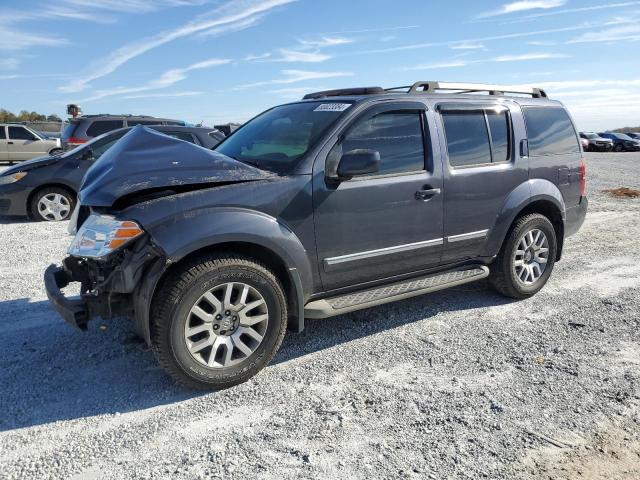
x: 329, y: 307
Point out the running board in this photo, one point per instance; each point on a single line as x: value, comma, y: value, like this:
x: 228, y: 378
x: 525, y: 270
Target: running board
x: 328, y: 307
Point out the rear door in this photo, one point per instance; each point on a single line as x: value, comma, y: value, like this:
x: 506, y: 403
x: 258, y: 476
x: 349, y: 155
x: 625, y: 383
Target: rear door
x: 376, y: 226
x: 4, y: 152
x: 482, y: 167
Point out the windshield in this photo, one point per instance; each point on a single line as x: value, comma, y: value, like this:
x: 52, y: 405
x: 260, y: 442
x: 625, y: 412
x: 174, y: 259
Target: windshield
x: 622, y: 136
x: 591, y: 135
x: 277, y: 139
x: 98, y: 145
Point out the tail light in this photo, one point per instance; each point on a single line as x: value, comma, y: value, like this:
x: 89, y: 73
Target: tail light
x: 584, y: 177
x: 76, y: 140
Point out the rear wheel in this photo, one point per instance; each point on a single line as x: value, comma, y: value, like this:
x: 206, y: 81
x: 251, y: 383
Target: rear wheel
x: 526, y: 259
x: 52, y: 204
x: 217, y: 321
x: 618, y: 148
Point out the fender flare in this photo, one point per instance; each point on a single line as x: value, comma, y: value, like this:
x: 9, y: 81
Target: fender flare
x: 520, y: 198
x: 181, y: 236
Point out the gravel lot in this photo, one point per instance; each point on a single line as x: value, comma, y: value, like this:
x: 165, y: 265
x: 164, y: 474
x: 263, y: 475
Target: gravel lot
x: 458, y: 384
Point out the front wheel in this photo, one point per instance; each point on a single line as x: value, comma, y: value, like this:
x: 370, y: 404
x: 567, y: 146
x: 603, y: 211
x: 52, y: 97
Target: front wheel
x: 526, y: 259
x: 217, y: 321
x: 52, y: 204
x: 618, y: 148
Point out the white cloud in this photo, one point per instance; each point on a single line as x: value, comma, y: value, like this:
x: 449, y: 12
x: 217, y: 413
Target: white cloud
x: 252, y: 57
x: 227, y: 16
x: 528, y: 56
x: 523, y: 5
x: 610, y: 35
x: 295, y: 76
x: 13, y: 39
x: 300, y: 56
x: 566, y: 11
x: 467, y: 46
x: 167, y: 79
x: 164, y: 95
x: 9, y: 63
x: 500, y: 59
x: 326, y: 42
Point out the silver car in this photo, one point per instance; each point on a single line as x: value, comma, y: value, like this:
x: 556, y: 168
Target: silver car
x: 18, y: 143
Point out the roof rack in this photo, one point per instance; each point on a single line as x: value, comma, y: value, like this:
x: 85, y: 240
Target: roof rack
x: 343, y: 92
x: 433, y: 86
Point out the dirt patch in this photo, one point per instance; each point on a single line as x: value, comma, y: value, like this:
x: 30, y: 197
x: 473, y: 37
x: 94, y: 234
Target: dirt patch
x: 623, y: 192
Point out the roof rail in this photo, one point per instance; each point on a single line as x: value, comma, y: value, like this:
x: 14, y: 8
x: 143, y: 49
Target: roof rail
x: 343, y: 92
x: 434, y: 86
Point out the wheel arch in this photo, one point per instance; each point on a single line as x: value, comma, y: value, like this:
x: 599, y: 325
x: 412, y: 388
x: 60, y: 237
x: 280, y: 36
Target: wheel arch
x: 534, y: 196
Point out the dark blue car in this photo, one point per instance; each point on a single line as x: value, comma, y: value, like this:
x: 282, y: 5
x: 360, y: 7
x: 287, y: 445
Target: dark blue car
x: 622, y: 142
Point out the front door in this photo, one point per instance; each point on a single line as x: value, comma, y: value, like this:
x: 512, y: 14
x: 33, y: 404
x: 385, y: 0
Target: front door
x: 384, y: 224
x: 22, y: 144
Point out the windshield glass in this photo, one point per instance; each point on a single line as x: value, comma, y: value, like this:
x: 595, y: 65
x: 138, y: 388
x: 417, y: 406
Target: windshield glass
x: 277, y: 139
x: 98, y: 145
x: 591, y: 135
x: 622, y: 136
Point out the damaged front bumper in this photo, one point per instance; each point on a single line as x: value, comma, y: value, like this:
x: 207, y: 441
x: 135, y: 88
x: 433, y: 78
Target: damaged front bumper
x: 108, y: 288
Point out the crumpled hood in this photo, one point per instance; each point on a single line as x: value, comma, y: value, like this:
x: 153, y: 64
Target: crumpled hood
x: 31, y: 164
x: 145, y: 159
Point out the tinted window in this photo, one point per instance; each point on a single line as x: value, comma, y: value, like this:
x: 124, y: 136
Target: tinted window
x: 467, y: 138
x: 133, y: 123
x: 98, y: 150
x: 103, y: 126
x: 396, y: 135
x: 177, y: 124
x: 187, y: 137
x: 19, y: 133
x: 550, y: 131
x: 278, y: 138
x: 499, y: 129
x: 3, y: 135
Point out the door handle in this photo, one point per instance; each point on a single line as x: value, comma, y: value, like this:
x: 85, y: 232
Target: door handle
x: 427, y: 194
x: 9, y: 143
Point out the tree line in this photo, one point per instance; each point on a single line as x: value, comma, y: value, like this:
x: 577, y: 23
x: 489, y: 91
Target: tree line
x: 26, y: 116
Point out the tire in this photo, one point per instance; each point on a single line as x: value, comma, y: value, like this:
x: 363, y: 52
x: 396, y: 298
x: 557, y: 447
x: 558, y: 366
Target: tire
x: 52, y: 204
x: 507, y: 272
x: 618, y: 148
x: 189, y: 288
x: 55, y: 151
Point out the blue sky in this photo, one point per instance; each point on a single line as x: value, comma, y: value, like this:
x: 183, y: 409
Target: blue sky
x: 227, y: 60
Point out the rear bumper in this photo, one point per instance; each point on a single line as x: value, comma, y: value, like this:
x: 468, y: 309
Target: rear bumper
x: 575, y: 217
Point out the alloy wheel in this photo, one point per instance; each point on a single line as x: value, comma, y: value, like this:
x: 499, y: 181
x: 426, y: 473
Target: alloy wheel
x: 54, y: 207
x: 530, y: 256
x: 226, y: 325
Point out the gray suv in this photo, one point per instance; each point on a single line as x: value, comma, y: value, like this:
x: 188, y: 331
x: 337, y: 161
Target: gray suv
x: 342, y: 201
x: 82, y: 129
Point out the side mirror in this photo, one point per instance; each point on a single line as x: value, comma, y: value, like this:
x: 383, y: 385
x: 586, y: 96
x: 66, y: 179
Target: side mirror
x: 87, y: 155
x: 358, y: 162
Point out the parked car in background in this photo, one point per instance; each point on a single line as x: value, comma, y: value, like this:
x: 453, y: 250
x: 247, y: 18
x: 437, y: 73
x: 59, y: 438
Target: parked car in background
x: 45, y: 188
x: 595, y: 143
x: 342, y: 201
x: 84, y: 128
x: 227, y: 128
x: 622, y: 142
x: 19, y: 143
x: 584, y: 143
x: 634, y: 135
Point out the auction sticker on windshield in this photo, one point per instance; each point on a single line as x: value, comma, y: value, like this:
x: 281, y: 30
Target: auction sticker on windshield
x: 332, y: 107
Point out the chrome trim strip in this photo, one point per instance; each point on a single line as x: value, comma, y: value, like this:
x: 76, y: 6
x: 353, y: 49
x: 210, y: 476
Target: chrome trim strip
x: 382, y: 251
x: 467, y: 236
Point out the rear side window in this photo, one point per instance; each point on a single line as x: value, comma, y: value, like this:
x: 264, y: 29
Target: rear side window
x: 3, y: 135
x: 477, y: 137
x: 175, y: 124
x: 550, y: 131
x: 103, y: 126
x: 396, y: 135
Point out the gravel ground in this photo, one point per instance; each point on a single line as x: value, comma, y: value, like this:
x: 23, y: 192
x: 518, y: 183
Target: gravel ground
x: 458, y: 384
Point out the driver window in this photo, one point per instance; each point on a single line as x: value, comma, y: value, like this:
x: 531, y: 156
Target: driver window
x: 20, y: 133
x: 396, y: 135
x: 98, y: 151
